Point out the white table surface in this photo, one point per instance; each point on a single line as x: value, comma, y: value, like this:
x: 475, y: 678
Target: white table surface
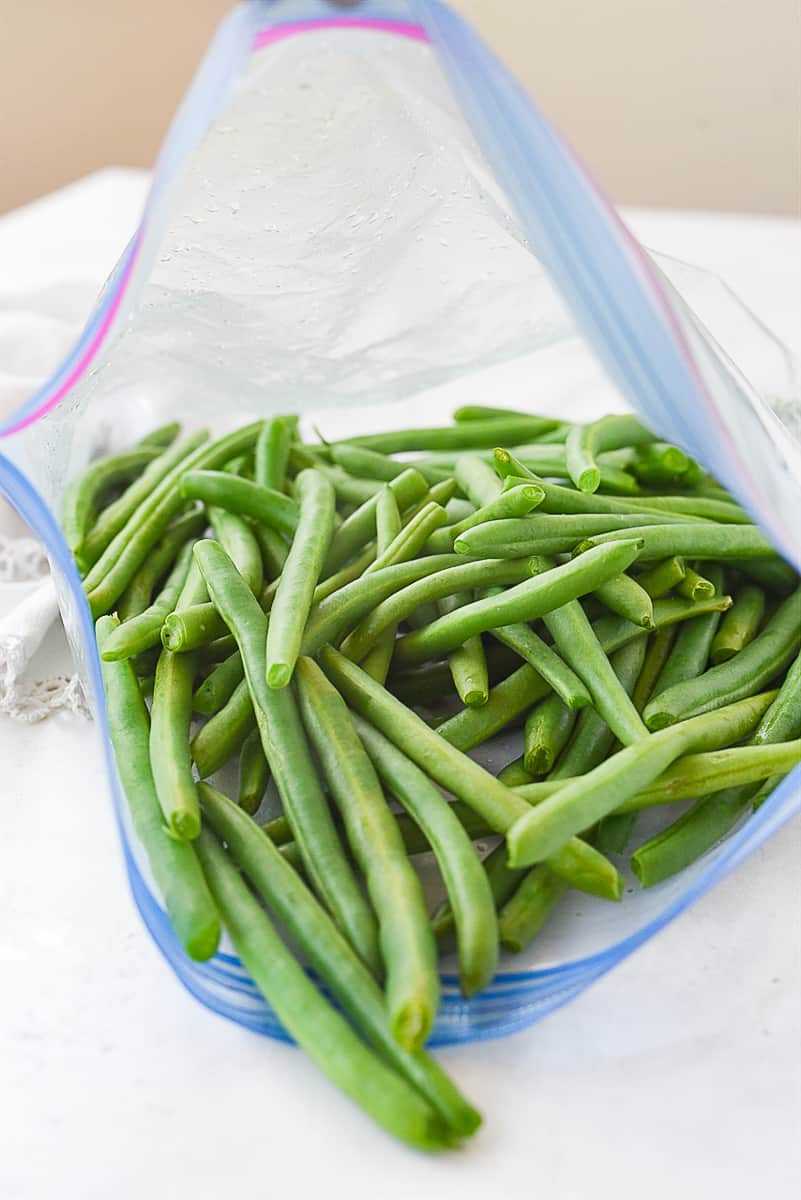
x: 676, y: 1075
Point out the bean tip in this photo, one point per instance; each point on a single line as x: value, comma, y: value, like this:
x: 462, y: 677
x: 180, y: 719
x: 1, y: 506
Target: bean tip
x: 278, y: 675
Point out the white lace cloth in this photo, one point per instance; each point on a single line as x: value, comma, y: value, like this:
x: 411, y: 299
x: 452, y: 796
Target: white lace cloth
x: 22, y: 632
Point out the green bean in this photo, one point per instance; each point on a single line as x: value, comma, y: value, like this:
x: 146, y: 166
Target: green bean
x: 528, y: 600
x: 696, y: 775
x: 470, y: 435
x: 218, y: 686
x: 783, y: 719
x: 241, y: 465
x: 239, y: 541
x: 692, y: 835
x: 433, y: 577
x: 407, y: 943
x: 658, y: 651
x: 224, y: 733
x: 84, y: 496
x: 548, y: 728
x: 477, y: 479
x: 309, y: 1019
x: 388, y: 525
x: 411, y: 538
x: 660, y: 463
x: 143, y: 631
x: 114, y: 518
x: 366, y: 464
x: 414, y: 839
x: 765, y: 791
x: 170, y: 758
x: 348, y: 574
x: 614, y: 832
x: 162, y: 437
x: 466, y: 883
x: 506, y: 701
x: 756, y: 665
x: 287, y: 752
x: 217, y: 651
x: 254, y: 773
x: 624, y: 596
x: 331, y: 957
x: 497, y: 804
x: 695, y: 586
x: 172, y: 862
x: 299, y: 577
x: 457, y: 509
x: 514, y: 773
x: 584, y: 442
x: 485, y: 412
x: 578, y: 643
x: 114, y: 570
x: 662, y: 577
x: 274, y: 549
x: 593, y: 740
x: 683, y: 510
x: 515, y: 503
x: 525, y: 912
x: 726, y: 542
x: 432, y: 682
x: 502, y: 881
x: 690, y: 653
x: 242, y: 496
x: 190, y: 628
x: 614, y: 632
x: 359, y: 527
x: 740, y: 624
x: 554, y: 670
x: 271, y: 453
x: 578, y: 805
x: 467, y: 663
x: 137, y: 596
x: 545, y: 534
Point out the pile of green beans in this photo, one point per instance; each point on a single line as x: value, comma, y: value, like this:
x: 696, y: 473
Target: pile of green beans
x: 328, y: 628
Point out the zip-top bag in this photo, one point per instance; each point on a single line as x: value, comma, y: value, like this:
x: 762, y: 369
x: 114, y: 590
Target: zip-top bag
x: 359, y: 216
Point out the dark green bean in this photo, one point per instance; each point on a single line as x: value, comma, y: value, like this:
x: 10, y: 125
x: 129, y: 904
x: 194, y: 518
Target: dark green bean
x: 138, y: 594
x: 783, y: 719
x: 274, y: 549
x: 740, y: 624
x: 388, y: 525
x: 525, y: 912
x: 695, y: 586
x: 254, y: 773
x: 271, y: 453
x: 624, y: 596
x: 359, y: 528
x: 548, y: 728
x: 142, y: 632
x: 218, y: 686
x: 507, y: 701
x: 756, y: 665
x: 545, y: 534
x: 660, y: 463
x: 658, y: 651
x: 223, y: 735
x: 172, y: 862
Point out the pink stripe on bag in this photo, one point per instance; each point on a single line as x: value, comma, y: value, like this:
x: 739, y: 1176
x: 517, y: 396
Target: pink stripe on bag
x: 277, y: 33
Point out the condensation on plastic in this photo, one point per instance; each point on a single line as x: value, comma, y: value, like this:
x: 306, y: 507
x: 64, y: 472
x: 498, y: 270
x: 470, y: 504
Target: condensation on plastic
x: 358, y: 215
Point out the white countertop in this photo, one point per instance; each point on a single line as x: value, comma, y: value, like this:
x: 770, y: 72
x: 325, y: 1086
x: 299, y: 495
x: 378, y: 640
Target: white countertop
x: 677, y: 1075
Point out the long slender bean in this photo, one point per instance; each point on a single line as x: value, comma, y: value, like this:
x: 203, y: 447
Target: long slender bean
x: 243, y: 496
x: 538, y: 654
x: 624, y: 596
x: 287, y: 752
x: 330, y: 955
x: 271, y: 453
x: 116, y: 516
x: 525, y: 912
x: 783, y: 718
x: 84, y: 496
x: 725, y: 542
x: 584, y: 442
x: 497, y: 804
x: 143, y: 631
x: 507, y: 701
x: 477, y: 479
x: 162, y: 437
x: 138, y: 595
x: 254, y: 773
x: 313, y: 1023
x: 466, y: 884
x: 512, y: 504
x: 170, y: 756
x: 173, y: 862
x: 545, y: 533
x: 407, y: 943
x: 299, y: 577
x: 469, y: 435
x: 223, y: 735
x: 756, y: 665
x: 548, y: 728
x: 657, y: 653
x: 359, y: 528
x: 578, y: 805
x: 533, y: 598
x: 388, y: 525
x: 662, y: 577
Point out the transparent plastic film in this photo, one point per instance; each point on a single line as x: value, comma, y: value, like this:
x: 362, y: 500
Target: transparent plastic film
x: 358, y: 216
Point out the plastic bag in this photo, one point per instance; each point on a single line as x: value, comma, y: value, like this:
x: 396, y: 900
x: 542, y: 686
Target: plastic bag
x: 359, y: 216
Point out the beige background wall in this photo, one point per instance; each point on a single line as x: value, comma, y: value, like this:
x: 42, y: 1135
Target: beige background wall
x: 686, y: 103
